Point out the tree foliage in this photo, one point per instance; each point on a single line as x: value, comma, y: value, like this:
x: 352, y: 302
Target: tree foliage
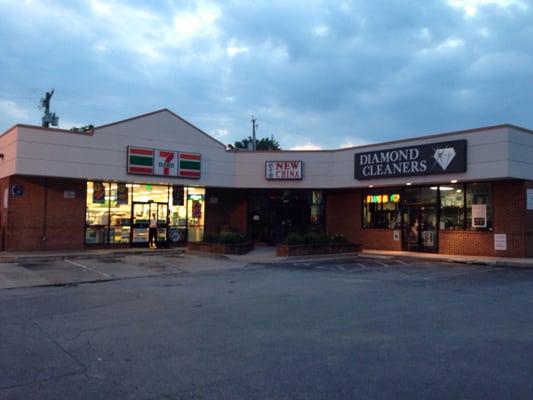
x: 262, y: 144
x: 84, y: 128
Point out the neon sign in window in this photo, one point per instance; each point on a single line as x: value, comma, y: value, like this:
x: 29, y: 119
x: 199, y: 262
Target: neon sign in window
x: 383, y: 198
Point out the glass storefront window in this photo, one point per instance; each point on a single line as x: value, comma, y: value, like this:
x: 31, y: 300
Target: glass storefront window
x: 177, y: 207
x: 381, y: 209
x: 97, y: 213
x: 150, y: 193
x: 120, y: 210
x: 420, y: 195
x: 196, y: 214
x: 478, y: 205
x: 317, y: 207
x: 452, y: 200
x: 180, y: 213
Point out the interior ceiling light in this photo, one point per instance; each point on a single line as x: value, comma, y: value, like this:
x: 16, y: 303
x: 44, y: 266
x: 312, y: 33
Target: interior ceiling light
x: 408, y: 183
x: 453, y: 181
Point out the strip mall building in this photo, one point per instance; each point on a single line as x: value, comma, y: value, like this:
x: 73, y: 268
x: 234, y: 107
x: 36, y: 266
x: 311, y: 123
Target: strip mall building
x: 467, y: 192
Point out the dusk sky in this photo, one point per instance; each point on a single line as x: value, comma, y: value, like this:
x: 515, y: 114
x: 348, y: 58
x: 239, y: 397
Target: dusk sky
x: 316, y: 74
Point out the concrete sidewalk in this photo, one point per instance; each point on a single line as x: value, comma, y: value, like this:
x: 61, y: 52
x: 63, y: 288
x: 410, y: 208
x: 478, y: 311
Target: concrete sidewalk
x: 482, y: 260
x: 259, y: 255
x: 36, y: 256
x: 66, y: 268
x: 267, y: 255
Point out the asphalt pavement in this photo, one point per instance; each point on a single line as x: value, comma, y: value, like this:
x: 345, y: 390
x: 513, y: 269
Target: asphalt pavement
x: 329, y: 329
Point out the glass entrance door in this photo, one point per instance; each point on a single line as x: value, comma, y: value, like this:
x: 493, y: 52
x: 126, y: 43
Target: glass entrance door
x: 141, y: 214
x: 419, y: 228
x: 140, y: 224
x: 161, y: 211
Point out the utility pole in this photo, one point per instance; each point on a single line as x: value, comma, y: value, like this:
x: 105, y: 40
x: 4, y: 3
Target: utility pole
x: 48, y: 117
x: 254, y: 127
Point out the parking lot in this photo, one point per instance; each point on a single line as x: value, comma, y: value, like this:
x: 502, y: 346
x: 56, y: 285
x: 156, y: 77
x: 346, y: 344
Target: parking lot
x: 208, y: 328
x: 51, y: 271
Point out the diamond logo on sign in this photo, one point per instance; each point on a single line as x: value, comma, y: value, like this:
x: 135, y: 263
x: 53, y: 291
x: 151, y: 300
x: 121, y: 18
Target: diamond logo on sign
x: 444, y: 156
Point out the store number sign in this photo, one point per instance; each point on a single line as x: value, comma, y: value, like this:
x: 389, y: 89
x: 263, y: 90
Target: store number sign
x: 283, y: 170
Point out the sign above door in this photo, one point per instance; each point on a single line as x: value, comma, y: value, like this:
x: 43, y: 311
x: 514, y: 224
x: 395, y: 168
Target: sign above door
x: 178, y: 164
x: 283, y: 170
x: 426, y: 159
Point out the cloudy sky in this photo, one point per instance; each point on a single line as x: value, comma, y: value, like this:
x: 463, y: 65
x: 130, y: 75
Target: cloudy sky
x: 316, y: 74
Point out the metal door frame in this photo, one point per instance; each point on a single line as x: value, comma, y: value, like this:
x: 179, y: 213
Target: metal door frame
x: 419, y: 209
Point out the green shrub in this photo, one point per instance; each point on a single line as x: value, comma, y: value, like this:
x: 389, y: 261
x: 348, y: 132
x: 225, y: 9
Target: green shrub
x: 294, y: 238
x: 225, y: 237
x: 314, y: 238
x: 211, y: 238
x: 338, y: 238
x: 233, y: 237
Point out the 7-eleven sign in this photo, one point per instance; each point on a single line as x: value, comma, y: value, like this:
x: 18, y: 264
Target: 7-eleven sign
x: 166, y: 163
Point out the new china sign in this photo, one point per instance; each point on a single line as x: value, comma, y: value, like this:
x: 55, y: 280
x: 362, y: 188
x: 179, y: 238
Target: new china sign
x: 427, y: 159
x: 143, y: 161
x: 283, y: 170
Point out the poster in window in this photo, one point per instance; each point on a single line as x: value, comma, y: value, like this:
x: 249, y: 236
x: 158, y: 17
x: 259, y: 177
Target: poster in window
x: 428, y: 238
x: 196, y: 209
x: 98, y: 192
x: 122, y: 193
x: 479, y: 215
x: 177, y: 195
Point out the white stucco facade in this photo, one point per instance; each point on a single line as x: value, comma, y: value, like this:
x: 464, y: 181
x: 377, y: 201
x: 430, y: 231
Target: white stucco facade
x: 497, y: 152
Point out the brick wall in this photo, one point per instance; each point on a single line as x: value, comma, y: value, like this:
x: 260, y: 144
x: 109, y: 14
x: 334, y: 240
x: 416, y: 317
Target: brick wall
x: 230, y: 210
x: 42, y: 218
x: 4, y: 184
x: 528, y: 231
x: 509, y: 217
x: 344, y: 215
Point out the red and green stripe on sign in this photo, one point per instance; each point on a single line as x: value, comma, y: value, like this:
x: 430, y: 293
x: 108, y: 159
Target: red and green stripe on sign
x: 140, y: 160
x: 189, y: 165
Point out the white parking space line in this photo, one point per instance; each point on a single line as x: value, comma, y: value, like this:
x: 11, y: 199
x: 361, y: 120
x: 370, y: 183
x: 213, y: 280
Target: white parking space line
x: 383, y: 264
x: 341, y: 267
x: 77, y: 264
x: 460, y: 273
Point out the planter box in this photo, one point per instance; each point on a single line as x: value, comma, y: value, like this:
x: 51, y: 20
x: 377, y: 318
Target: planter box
x: 222, y: 248
x: 287, y: 250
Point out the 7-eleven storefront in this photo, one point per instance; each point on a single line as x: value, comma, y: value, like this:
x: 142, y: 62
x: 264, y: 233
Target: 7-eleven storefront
x: 118, y: 213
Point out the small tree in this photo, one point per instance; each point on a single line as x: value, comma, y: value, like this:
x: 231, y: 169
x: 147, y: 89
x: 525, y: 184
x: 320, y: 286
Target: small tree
x: 84, y: 128
x: 261, y: 144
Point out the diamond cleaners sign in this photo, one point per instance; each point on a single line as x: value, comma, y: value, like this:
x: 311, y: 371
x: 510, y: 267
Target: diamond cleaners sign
x: 427, y: 159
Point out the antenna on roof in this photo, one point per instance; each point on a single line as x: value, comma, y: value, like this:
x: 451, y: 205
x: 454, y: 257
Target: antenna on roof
x: 48, y: 117
x: 254, y: 127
